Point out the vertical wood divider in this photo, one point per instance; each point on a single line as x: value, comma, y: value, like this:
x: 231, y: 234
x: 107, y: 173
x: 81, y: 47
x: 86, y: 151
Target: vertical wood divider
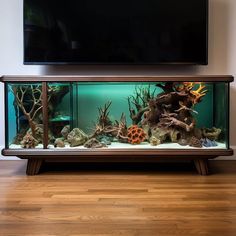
x: 45, y: 114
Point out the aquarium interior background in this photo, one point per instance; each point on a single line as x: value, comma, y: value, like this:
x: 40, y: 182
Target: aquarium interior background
x: 79, y: 107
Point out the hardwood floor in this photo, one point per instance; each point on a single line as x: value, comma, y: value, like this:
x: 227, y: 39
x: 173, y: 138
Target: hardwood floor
x: 116, y: 200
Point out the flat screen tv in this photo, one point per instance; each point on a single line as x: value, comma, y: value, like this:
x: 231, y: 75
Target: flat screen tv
x: 116, y: 32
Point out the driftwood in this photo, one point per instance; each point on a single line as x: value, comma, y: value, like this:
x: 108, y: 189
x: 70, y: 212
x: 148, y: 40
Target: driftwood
x: 106, y: 127
x: 28, y: 98
x: 36, y: 100
x: 104, y: 119
x: 172, y: 111
x: 185, y: 108
x: 172, y: 121
x: 138, y: 103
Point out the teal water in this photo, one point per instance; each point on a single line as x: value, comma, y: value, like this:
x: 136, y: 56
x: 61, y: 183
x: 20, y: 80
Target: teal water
x: 92, y: 96
x: 80, y: 105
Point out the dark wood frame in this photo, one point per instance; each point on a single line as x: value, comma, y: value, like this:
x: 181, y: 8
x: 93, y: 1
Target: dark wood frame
x: 36, y: 157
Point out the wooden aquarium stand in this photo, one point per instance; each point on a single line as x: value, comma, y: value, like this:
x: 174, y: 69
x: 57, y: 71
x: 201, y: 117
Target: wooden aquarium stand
x: 36, y: 157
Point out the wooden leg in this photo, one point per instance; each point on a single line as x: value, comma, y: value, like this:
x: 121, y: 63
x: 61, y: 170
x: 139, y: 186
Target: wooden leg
x: 202, y: 166
x: 33, y: 166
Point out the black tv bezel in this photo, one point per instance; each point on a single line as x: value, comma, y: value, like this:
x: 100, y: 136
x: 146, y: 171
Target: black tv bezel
x: 203, y: 63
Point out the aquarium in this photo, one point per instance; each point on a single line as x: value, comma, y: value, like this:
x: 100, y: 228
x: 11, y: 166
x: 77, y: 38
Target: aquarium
x: 117, y: 115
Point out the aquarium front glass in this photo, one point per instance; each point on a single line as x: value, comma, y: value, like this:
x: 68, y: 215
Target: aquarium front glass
x: 24, y: 116
x: 123, y: 115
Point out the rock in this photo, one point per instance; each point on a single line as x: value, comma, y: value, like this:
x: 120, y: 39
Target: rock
x: 212, y: 134
x: 160, y: 134
x: 38, y: 132
x: 147, y: 131
x: 208, y: 143
x: 183, y: 142
x: 94, y: 143
x: 52, y: 140
x: 105, y: 140
x: 59, y: 143
x: 197, y: 133
x: 29, y: 141
x: 174, y: 135
x: 195, y: 142
x: 77, y: 137
x: 65, y: 131
x: 18, y: 138
x: 154, y: 141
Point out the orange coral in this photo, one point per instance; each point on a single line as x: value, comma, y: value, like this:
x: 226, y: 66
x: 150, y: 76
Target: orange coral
x: 190, y: 87
x: 136, y: 135
x: 199, y: 93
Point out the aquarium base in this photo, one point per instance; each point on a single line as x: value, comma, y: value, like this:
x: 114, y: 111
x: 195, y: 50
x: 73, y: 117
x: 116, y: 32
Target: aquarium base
x: 146, y: 119
x: 35, y: 163
x: 37, y: 157
x: 33, y: 166
x: 202, y: 166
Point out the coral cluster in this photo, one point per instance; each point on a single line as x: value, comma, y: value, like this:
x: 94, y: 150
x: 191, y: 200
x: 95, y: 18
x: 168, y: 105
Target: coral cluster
x: 136, y: 135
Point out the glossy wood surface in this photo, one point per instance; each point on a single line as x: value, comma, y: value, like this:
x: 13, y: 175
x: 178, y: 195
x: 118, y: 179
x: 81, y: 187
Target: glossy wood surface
x: 101, y: 152
x: 110, y: 200
x: 115, y: 78
x: 45, y: 114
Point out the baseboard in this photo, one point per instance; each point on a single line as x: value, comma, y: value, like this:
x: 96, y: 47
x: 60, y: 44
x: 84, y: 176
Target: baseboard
x: 230, y: 158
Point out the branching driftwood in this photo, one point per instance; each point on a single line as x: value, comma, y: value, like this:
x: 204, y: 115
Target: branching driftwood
x: 138, y: 103
x: 30, y: 106
x: 36, y: 99
x: 185, y: 108
x: 104, y: 119
x: 122, y: 131
x: 170, y: 119
x: 106, y: 127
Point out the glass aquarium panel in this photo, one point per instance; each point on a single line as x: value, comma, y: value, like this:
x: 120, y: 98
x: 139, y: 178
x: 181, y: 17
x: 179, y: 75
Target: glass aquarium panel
x: 221, y: 111
x: 60, y: 112
x: 146, y: 115
x: 24, y: 116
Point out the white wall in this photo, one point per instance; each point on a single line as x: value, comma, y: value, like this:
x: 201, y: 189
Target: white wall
x: 222, y: 53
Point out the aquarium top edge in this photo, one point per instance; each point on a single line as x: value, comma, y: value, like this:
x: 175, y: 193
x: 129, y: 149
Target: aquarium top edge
x: 119, y: 152
x: 114, y: 78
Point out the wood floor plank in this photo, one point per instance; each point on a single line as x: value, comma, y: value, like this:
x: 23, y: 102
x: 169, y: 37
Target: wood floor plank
x: 108, y: 201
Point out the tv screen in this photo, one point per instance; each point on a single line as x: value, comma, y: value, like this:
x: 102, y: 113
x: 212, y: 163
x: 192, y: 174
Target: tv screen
x: 115, y: 31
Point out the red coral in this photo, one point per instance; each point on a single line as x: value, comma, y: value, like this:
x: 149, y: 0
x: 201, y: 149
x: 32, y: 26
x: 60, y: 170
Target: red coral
x: 136, y: 135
